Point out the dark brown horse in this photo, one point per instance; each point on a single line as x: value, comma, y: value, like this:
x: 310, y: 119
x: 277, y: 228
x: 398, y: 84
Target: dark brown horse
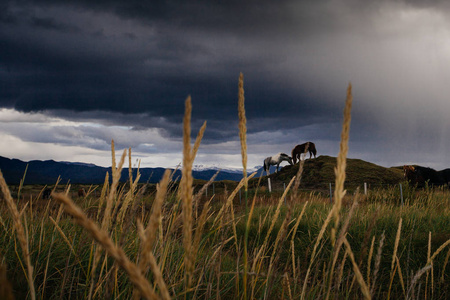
x: 422, y: 176
x: 410, y: 173
x: 82, y: 192
x: 303, y: 148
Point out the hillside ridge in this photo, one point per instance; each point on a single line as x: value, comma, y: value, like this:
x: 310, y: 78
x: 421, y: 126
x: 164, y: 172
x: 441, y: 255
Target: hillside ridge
x: 319, y: 171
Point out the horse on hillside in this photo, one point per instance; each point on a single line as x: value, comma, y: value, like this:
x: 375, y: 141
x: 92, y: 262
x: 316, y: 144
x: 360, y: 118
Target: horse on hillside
x: 81, y: 192
x: 276, y: 160
x: 303, y: 148
x: 409, y: 173
x: 421, y: 176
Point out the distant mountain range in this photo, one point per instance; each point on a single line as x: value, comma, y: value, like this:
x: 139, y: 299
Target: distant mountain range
x: 47, y: 172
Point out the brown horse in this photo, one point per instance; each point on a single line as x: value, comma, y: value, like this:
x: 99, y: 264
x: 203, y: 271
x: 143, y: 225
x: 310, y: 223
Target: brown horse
x: 303, y: 148
x: 82, y: 192
x: 421, y: 176
x: 410, y: 173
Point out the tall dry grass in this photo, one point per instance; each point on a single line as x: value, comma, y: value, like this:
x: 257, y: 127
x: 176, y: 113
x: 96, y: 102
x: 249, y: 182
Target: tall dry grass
x: 243, y: 139
x: 22, y: 234
x: 6, y: 291
x: 186, y: 194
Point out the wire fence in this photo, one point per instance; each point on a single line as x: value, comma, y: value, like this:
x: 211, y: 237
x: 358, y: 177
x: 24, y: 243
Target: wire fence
x: 400, y: 191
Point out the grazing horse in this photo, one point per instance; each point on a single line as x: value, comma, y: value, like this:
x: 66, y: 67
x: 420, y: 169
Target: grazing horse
x: 409, y: 173
x: 276, y: 160
x: 82, y: 192
x: 422, y: 175
x: 300, y: 149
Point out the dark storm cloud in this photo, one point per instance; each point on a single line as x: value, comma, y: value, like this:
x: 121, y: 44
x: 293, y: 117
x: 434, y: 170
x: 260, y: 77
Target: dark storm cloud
x: 133, y: 63
x: 55, y: 62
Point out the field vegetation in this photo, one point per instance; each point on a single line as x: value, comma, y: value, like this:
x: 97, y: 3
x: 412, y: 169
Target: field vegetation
x: 130, y: 241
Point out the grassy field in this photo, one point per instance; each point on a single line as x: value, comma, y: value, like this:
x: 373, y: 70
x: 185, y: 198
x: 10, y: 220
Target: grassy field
x: 129, y: 241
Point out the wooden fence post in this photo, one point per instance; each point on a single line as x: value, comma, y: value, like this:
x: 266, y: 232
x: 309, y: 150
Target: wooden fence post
x: 401, y: 193
x: 331, y: 194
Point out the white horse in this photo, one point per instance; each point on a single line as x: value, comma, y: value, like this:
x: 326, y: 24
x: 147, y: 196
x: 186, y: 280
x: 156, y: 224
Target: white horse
x: 276, y: 160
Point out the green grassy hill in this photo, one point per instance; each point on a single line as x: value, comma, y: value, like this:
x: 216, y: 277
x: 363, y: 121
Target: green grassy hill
x: 319, y: 172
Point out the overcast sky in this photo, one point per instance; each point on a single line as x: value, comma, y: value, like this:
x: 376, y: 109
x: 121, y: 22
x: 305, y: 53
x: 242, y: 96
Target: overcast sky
x: 76, y: 74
